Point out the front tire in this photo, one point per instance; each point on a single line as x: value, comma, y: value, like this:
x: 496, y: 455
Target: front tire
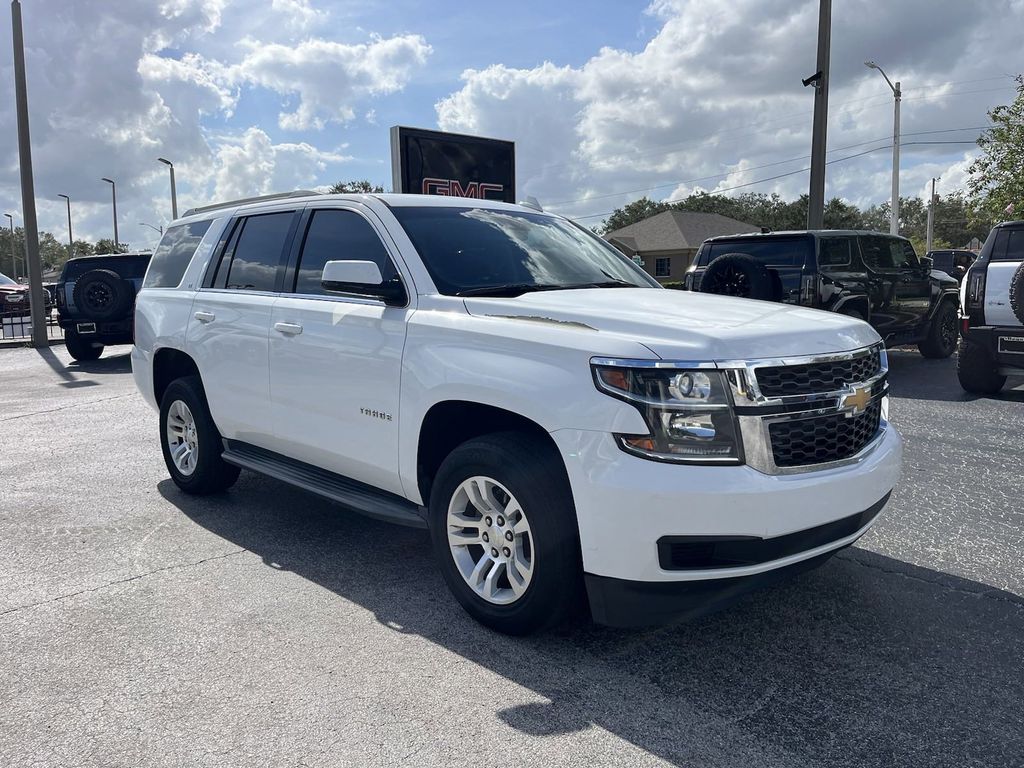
x: 81, y: 349
x: 504, y: 532
x: 941, y: 340
x: 977, y: 370
x: 191, y: 444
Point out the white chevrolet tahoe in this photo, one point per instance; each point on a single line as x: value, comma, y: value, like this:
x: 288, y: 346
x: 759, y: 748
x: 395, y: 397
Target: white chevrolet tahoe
x: 501, y: 376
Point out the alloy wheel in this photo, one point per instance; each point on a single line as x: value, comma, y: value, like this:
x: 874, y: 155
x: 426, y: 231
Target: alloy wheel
x: 490, y: 540
x: 182, y: 437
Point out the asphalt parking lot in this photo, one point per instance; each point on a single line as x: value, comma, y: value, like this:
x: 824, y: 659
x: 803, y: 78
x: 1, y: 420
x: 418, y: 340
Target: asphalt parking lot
x: 139, y: 626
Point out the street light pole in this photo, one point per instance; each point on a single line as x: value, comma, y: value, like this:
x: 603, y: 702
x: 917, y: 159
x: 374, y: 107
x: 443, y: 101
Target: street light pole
x: 894, y: 219
x: 113, y: 194
x: 14, y: 258
x: 71, y: 240
x: 159, y: 229
x: 36, y: 296
x: 174, y: 191
x: 931, y: 217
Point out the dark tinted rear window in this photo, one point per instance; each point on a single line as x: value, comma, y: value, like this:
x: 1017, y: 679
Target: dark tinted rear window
x: 1009, y: 245
x: 172, y: 256
x: 770, y: 251
x: 255, y: 253
x: 128, y: 267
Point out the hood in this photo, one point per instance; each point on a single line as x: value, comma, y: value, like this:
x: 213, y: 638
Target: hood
x: 6, y: 289
x: 682, y: 325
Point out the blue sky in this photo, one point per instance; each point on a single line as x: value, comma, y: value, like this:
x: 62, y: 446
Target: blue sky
x: 607, y: 101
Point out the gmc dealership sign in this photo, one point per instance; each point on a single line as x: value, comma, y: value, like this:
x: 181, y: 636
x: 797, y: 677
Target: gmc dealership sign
x: 437, y: 163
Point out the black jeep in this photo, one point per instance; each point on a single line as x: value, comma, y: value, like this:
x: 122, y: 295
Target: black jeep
x: 96, y: 301
x: 874, y: 277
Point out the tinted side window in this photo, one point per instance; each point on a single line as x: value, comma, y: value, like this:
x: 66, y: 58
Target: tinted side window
x: 908, y: 256
x: 338, y: 236
x: 834, y: 251
x: 171, y: 258
x: 880, y: 253
x: 772, y: 252
x: 1013, y: 250
x: 256, y: 256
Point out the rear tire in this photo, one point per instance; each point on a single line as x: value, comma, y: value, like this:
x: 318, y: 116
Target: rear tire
x: 184, y: 407
x: 79, y: 348
x: 739, y: 275
x: 977, y: 370
x: 941, y: 340
x: 1017, y: 293
x: 525, y: 473
x: 102, y: 294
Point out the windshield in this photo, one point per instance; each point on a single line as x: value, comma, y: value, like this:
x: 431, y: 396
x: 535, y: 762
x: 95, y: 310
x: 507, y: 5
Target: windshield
x: 497, y: 252
x: 5, y: 280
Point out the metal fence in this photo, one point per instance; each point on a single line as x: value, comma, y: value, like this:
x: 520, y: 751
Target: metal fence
x: 17, y: 326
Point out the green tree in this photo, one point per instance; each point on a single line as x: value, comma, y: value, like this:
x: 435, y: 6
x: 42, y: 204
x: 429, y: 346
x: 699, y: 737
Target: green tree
x: 361, y: 186
x: 83, y: 248
x: 106, y: 245
x: 638, y: 210
x: 997, y: 176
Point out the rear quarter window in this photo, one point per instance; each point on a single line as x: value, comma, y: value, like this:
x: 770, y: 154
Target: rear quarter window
x: 171, y: 258
x: 1009, y: 245
x: 772, y: 252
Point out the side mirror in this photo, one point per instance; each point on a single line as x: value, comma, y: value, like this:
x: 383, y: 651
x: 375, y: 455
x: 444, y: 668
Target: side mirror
x: 362, y: 278
x: 927, y: 262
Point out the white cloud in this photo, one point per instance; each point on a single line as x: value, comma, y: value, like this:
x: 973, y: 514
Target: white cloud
x: 329, y: 78
x: 716, y: 93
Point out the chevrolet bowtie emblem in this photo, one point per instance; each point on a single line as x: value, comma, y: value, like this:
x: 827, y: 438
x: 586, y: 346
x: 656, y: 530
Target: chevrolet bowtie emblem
x: 857, y: 400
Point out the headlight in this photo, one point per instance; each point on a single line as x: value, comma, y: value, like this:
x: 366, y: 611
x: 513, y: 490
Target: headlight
x: 688, y: 413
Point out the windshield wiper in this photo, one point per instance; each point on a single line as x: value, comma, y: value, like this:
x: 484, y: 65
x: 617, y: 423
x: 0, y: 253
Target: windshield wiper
x: 518, y: 289
x: 509, y: 289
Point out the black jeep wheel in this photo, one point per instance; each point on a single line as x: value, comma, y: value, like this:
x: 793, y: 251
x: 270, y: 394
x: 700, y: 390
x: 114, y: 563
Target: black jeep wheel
x: 101, y: 294
x: 943, y: 332
x: 81, y: 348
x: 740, y: 275
x: 977, y: 370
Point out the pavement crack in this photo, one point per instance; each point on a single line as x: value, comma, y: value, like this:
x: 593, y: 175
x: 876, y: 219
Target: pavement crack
x: 990, y: 593
x: 66, y: 407
x: 117, y: 582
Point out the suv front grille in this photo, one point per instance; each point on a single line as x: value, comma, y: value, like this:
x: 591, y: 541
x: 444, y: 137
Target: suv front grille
x: 821, y: 439
x: 814, y: 378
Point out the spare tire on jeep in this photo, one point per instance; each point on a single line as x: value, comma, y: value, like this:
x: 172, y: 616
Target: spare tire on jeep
x: 740, y: 275
x: 101, y: 294
x: 1017, y: 293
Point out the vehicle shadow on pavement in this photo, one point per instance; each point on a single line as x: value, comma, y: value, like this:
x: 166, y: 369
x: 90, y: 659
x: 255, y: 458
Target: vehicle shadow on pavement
x: 917, y: 378
x: 112, y: 363
x: 865, y: 661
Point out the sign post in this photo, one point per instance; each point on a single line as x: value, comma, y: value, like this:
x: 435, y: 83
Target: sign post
x: 437, y: 163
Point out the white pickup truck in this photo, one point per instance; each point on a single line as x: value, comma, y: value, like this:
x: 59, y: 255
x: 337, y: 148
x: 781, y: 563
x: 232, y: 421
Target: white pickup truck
x: 503, y: 377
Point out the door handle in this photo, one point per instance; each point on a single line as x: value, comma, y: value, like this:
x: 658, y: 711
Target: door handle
x: 205, y: 317
x: 289, y: 329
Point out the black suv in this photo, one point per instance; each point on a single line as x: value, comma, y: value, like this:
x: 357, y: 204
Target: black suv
x: 96, y: 301
x: 954, y: 263
x: 874, y: 277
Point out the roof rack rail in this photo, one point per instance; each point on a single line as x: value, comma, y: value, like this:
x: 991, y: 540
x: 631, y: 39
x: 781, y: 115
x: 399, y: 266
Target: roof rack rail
x: 245, y: 200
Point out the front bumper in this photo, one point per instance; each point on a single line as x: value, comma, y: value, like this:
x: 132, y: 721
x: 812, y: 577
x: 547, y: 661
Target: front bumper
x: 1008, y: 353
x: 625, y: 505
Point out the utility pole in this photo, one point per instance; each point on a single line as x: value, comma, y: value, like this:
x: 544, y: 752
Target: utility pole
x: 71, y: 240
x: 174, y: 191
x: 816, y: 197
x: 113, y: 194
x: 28, y: 194
x: 931, y: 217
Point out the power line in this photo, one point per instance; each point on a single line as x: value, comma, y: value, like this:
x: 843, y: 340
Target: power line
x: 759, y: 167
x: 783, y: 175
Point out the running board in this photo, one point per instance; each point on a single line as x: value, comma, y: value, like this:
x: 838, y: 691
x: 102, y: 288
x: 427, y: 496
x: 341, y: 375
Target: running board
x: 360, y: 497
